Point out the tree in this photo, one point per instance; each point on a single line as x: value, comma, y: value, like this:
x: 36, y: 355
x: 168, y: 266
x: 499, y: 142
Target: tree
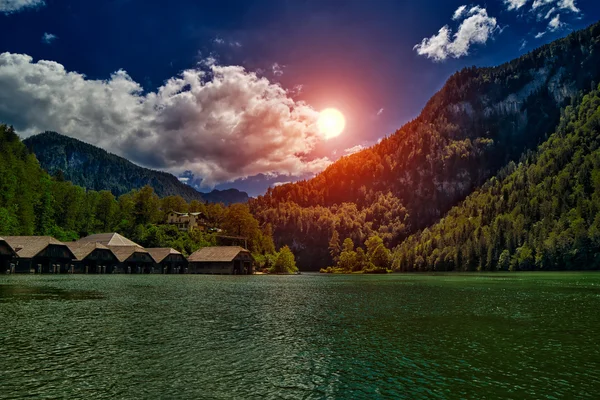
x: 146, y: 206
x: 334, y: 246
x: 285, y: 263
x: 173, y: 203
x: 377, y: 253
x: 347, y: 256
x: 238, y: 221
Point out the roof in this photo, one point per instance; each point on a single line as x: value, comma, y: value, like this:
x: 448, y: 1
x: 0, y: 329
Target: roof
x: 195, y: 214
x: 109, y: 239
x: 83, y: 249
x: 160, y: 253
x: 31, y: 246
x: 124, y: 252
x: 217, y: 254
x: 9, y: 246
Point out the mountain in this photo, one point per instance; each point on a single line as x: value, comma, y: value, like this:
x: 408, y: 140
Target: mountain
x: 542, y: 214
x: 481, y: 119
x: 93, y: 168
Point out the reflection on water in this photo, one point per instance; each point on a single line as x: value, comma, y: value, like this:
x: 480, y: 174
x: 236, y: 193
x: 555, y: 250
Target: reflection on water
x: 309, y: 336
x: 23, y: 293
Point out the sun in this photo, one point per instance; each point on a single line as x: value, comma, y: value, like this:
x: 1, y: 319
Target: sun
x: 331, y: 123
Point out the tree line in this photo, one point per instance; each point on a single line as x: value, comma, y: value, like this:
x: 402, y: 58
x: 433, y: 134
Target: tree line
x: 540, y: 214
x: 34, y: 203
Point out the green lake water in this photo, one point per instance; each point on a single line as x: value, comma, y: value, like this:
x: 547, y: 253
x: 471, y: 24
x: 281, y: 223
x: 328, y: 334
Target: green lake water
x: 311, y: 336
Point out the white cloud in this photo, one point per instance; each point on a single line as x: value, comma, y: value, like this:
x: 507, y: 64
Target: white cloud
x: 380, y: 111
x: 568, y: 5
x: 281, y: 183
x: 221, y: 124
x: 459, y: 12
x: 277, y: 69
x: 354, y: 149
x: 515, y: 4
x: 296, y: 90
x: 48, y: 38
x: 220, y: 41
x: 476, y: 28
x: 12, y: 6
x: 550, y: 12
x: 523, y: 44
x: 554, y: 25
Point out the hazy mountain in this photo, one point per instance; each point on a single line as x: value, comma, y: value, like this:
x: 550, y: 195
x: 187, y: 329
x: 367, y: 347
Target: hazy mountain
x: 94, y: 168
x: 482, y: 119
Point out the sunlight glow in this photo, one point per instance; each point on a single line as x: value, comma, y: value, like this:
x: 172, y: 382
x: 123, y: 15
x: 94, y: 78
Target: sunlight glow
x: 331, y: 123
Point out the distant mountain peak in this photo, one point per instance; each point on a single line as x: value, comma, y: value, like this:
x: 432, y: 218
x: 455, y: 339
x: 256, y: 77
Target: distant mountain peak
x: 94, y: 168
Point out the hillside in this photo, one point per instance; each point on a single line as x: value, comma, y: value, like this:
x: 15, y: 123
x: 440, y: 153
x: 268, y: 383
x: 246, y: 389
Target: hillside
x: 482, y: 119
x: 94, y: 168
x: 543, y: 214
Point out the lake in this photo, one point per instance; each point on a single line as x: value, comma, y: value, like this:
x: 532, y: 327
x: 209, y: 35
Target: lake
x: 311, y: 336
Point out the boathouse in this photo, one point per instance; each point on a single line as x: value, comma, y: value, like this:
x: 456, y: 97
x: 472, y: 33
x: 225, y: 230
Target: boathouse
x: 7, y: 255
x: 133, y: 258
x: 167, y: 261
x: 40, y: 254
x: 93, y: 258
x: 223, y: 260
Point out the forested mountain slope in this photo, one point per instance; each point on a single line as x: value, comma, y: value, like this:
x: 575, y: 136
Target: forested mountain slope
x: 480, y: 120
x: 94, y: 168
x: 34, y: 203
x: 543, y: 214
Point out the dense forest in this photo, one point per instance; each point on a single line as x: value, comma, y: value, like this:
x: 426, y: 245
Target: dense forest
x: 542, y: 214
x: 482, y: 119
x: 94, y: 168
x: 34, y: 203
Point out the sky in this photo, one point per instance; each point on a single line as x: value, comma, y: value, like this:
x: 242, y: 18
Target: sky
x: 228, y: 94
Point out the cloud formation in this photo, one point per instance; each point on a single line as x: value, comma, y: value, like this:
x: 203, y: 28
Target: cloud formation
x: 277, y: 69
x: 514, y: 4
x: 48, y: 38
x: 547, y: 10
x: 354, y: 149
x: 476, y: 28
x: 13, y: 6
x: 221, y: 123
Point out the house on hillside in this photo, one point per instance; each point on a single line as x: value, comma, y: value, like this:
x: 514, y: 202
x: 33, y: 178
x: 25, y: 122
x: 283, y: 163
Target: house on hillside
x: 93, y: 258
x: 168, y: 261
x: 187, y: 221
x: 223, y: 260
x: 40, y: 254
x: 7, y: 255
x: 133, y: 258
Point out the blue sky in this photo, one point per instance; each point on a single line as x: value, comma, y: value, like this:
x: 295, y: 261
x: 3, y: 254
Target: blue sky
x: 230, y: 90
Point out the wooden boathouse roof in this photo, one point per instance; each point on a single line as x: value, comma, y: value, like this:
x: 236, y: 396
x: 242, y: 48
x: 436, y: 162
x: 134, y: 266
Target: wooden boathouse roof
x: 124, y: 252
x: 83, y: 249
x: 109, y: 239
x: 8, y: 246
x: 31, y: 246
x: 158, y: 254
x: 217, y: 254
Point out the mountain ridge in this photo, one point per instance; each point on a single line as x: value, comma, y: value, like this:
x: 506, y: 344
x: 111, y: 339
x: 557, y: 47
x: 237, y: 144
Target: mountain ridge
x: 94, y: 168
